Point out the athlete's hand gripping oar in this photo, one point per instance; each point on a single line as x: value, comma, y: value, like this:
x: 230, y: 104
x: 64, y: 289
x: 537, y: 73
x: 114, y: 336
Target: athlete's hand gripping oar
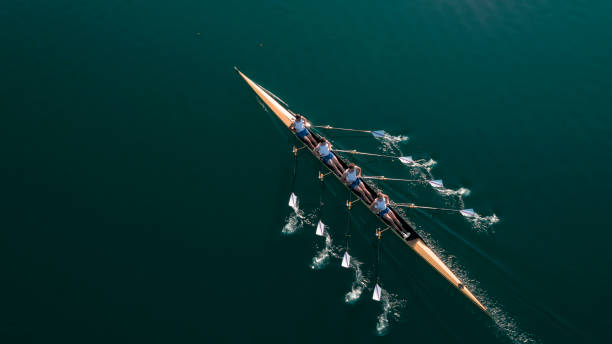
x: 464, y: 212
x: 404, y: 159
x: 375, y: 133
x: 434, y: 183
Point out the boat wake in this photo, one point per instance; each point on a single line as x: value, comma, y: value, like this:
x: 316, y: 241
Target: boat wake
x: 503, y: 323
x: 359, y: 283
x: 391, y: 308
x: 321, y: 259
x: 508, y: 327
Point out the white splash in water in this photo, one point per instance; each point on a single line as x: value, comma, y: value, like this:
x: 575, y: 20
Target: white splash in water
x: 359, y: 283
x: 320, y: 260
x: 456, y: 194
x: 426, y: 164
x: 297, y: 220
x: 392, y: 306
x: 461, y: 192
x: 292, y: 224
x: 483, y: 222
x: 390, y: 143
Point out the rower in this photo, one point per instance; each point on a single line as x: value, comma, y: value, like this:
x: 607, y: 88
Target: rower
x: 298, y: 126
x: 352, y: 178
x: 323, y: 150
x: 379, y: 206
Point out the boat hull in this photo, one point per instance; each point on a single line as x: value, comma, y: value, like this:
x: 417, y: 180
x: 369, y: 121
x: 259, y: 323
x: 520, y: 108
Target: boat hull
x: 413, y: 240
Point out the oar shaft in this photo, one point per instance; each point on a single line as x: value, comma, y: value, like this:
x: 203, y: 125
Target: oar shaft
x: 345, y: 129
x: 395, y: 179
x: 410, y: 205
x: 363, y: 153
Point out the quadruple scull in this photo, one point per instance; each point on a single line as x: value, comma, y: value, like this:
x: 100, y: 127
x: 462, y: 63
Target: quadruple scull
x: 407, y: 234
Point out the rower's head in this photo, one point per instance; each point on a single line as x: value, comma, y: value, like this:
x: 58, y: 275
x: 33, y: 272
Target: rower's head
x: 380, y: 194
x: 298, y: 117
x: 351, y: 166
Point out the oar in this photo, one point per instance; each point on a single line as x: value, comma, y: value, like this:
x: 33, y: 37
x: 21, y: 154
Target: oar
x: 464, y: 212
x: 404, y: 159
x: 434, y: 183
x: 375, y: 133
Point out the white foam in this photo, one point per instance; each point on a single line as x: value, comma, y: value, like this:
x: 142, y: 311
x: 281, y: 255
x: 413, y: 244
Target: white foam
x: 391, y: 308
x: 390, y: 143
x: 320, y: 260
x: 359, y: 283
x: 482, y: 223
x: 297, y: 219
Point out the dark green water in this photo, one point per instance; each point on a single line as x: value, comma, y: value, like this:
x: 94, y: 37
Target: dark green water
x: 145, y: 190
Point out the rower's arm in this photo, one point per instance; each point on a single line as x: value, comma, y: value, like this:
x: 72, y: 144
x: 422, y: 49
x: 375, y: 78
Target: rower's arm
x: 358, y: 171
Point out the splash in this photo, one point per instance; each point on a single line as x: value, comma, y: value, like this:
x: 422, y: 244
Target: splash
x: 321, y: 259
x: 425, y: 164
x: 390, y: 143
x: 483, y: 222
x: 456, y: 194
x: 296, y: 220
x: 292, y: 224
x: 461, y: 192
x: 391, y: 308
x: 359, y: 283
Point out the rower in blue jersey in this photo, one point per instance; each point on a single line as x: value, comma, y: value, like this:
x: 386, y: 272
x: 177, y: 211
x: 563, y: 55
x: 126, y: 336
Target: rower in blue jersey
x: 352, y: 178
x: 323, y: 150
x: 299, y: 126
x: 379, y: 206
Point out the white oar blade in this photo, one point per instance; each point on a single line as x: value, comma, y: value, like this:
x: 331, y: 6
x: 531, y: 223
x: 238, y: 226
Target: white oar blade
x: 468, y: 212
x: 436, y: 183
x: 346, y: 260
x: 377, y: 291
x: 293, y: 200
x: 406, y: 160
x: 379, y: 133
x: 320, y: 229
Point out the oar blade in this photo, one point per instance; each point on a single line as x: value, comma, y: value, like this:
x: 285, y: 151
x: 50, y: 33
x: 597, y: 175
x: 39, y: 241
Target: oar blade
x: 377, y: 293
x: 379, y: 133
x: 406, y: 160
x: 438, y: 184
x: 468, y: 212
x: 320, y: 229
x: 346, y: 260
x: 293, y: 201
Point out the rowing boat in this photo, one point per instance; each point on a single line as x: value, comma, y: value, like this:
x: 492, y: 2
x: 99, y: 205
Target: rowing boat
x: 407, y: 234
